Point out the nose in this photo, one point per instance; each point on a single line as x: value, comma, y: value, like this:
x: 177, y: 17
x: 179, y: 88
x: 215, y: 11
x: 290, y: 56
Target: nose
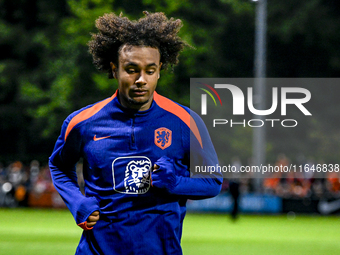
x: 141, y: 79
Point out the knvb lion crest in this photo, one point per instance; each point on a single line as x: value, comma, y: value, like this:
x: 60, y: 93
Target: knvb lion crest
x: 163, y: 137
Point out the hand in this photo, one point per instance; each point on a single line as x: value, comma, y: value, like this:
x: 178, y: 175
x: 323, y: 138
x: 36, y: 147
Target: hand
x: 92, y: 219
x: 163, y: 174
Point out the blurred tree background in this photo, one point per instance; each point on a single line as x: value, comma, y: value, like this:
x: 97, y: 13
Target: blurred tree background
x: 46, y: 71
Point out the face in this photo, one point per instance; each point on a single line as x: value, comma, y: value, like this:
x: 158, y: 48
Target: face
x: 137, y: 74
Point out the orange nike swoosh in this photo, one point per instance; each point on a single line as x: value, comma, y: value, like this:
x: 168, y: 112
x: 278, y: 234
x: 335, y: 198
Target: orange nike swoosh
x: 95, y: 138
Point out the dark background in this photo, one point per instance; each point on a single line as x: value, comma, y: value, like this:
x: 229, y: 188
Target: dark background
x: 46, y: 71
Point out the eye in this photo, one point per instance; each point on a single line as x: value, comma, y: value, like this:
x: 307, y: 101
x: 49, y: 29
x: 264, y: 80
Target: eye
x: 150, y: 72
x: 131, y: 70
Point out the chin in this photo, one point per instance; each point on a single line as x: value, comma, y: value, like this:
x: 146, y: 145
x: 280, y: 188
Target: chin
x: 139, y: 101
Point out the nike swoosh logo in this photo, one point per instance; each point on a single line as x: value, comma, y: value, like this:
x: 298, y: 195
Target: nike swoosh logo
x: 328, y: 207
x: 95, y: 138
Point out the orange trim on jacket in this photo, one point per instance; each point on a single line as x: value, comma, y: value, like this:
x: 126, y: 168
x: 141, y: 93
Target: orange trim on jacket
x: 88, y: 113
x: 180, y: 112
x: 161, y: 101
x: 84, y: 226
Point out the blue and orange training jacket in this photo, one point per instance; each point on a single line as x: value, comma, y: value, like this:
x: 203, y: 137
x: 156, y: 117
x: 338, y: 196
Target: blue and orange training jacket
x: 119, y: 147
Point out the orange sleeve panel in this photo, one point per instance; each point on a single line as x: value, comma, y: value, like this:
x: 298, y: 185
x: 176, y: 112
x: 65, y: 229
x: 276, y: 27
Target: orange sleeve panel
x: 180, y: 112
x: 86, y: 114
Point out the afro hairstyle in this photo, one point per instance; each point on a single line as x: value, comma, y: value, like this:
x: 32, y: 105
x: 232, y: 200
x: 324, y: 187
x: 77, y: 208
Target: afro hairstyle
x: 154, y: 30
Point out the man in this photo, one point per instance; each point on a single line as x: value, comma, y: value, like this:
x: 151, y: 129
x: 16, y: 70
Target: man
x: 135, y: 146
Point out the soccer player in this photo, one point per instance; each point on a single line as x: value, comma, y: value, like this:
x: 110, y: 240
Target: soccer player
x: 135, y: 146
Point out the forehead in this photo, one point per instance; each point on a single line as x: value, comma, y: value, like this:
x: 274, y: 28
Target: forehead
x: 139, y: 55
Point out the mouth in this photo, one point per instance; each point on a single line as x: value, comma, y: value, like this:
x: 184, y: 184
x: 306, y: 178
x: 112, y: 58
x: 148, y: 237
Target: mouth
x: 139, y: 92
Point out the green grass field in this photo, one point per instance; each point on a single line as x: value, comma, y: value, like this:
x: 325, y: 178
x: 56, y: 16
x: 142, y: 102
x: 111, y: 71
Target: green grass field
x: 44, y: 232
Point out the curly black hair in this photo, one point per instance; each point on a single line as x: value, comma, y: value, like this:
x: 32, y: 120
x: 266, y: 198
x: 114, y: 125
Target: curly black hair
x: 154, y: 30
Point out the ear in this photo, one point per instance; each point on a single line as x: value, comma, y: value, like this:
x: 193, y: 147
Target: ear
x: 114, y: 70
x: 159, y: 73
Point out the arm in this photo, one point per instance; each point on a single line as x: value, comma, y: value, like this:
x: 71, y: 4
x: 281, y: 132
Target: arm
x: 62, y: 166
x: 198, y: 185
x: 164, y: 177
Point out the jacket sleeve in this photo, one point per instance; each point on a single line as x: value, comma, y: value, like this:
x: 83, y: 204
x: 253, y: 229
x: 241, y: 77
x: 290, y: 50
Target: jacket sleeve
x: 62, y: 165
x: 196, y: 185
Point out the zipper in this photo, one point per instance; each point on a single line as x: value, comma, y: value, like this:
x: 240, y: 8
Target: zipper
x: 133, y: 131
x: 133, y: 139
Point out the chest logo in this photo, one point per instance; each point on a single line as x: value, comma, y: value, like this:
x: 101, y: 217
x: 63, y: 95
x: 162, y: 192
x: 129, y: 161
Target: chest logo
x: 95, y: 138
x: 131, y: 175
x: 163, y: 137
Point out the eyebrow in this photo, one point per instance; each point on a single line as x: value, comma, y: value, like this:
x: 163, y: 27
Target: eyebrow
x: 134, y: 64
